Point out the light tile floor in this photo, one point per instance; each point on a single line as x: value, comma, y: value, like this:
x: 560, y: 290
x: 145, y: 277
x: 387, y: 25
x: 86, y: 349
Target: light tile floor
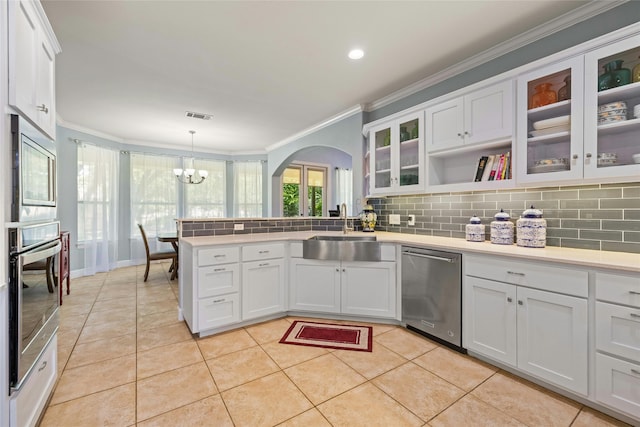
x: 125, y: 360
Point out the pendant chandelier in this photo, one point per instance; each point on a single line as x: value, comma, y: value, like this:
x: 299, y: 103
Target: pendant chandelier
x: 188, y: 175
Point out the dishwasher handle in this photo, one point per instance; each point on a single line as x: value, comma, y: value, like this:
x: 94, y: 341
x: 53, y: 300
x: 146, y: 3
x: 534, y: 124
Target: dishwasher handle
x: 438, y: 258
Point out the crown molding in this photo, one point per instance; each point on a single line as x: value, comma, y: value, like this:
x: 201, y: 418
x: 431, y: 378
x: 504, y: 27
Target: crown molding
x: 47, y: 27
x: 68, y: 125
x: 562, y: 22
x: 331, y: 120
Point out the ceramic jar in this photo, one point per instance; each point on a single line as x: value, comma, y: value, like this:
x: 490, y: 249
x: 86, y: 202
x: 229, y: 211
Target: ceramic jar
x: 502, y: 229
x: 543, y: 95
x: 619, y: 76
x: 605, y: 79
x: 564, y: 92
x: 635, y: 74
x: 532, y: 229
x: 368, y: 218
x: 474, y: 231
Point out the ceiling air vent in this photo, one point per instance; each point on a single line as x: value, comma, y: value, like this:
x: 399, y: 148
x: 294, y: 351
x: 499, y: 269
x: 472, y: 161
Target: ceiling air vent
x: 201, y: 116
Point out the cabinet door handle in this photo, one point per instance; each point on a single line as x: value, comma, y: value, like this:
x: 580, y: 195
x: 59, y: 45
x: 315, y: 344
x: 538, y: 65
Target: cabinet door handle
x: 219, y: 269
x: 520, y: 302
x: 344, y: 269
x: 459, y: 135
x: 634, y: 315
x: 515, y: 273
x: 263, y: 252
x: 215, y: 301
x: 337, y: 269
x: 264, y: 264
x: 219, y: 256
x: 44, y: 365
x: 509, y: 299
x: 575, y: 156
x: 634, y: 293
x: 635, y: 371
x: 43, y: 108
x: 588, y: 155
x: 467, y: 133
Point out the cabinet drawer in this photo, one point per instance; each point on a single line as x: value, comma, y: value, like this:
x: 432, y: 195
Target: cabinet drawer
x: 618, y: 384
x: 618, y: 288
x: 618, y: 330
x: 213, y: 256
x: 258, y: 252
x: 218, y: 311
x: 218, y: 280
x: 534, y: 275
x: 29, y: 402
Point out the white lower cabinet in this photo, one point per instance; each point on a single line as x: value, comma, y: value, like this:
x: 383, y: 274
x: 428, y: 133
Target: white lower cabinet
x: 369, y: 288
x: 618, y: 342
x: 29, y: 402
x: 314, y: 285
x: 218, y: 311
x: 263, y: 288
x: 618, y: 384
x: 362, y: 288
x: 539, y: 332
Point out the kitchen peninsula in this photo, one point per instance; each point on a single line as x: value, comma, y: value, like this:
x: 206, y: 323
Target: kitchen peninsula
x: 231, y: 280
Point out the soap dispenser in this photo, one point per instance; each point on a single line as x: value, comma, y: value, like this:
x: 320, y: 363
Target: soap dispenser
x: 502, y: 229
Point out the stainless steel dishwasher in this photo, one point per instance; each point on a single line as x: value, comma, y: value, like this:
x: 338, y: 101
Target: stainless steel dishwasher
x: 432, y: 294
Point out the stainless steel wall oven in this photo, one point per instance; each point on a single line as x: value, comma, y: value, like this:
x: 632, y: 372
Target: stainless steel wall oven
x: 33, y: 300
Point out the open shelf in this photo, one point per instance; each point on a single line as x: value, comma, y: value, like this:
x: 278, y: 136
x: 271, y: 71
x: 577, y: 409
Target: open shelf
x: 615, y: 94
x: 619, y: 127
x: 562, y: 108
x: 550, y: 139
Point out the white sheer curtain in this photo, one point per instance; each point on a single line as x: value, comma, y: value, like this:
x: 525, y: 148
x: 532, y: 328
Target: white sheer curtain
x: 247, y: 189
x: 154, y: 200
x: 208, y: 199
x: 98, y: 207
x: 344, y: 188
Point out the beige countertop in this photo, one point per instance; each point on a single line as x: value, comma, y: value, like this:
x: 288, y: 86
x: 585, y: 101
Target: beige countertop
x: 588, y: 258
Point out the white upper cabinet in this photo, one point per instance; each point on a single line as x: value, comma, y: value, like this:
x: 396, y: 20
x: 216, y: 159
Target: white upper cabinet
x: 550, y: 132
x: 396, y: 156
x: 32, y: 50
x: 612, y: 128
x: 485, y: 115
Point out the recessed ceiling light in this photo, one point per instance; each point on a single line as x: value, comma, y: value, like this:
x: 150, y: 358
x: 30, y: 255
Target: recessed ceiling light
x: 356, y: 53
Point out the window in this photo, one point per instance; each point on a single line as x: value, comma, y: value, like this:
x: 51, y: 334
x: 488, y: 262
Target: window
x: 299, y: 180
x: 98, y: 206
x: 344, y: 188
x: 207, y: 200
x: 247, y: 189
x: 154, y: 193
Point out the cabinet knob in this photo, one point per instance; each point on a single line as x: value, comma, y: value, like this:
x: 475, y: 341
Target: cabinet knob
x: 467, y: 133
x: 520, y: 302
x: 337, y: 269
x: 588, y: 155
x: 43, y: 108
x: 344, y: 269
x: 634, y: 293
x: 575, y: 156
x: 459, y: 135
x: 509, y: 299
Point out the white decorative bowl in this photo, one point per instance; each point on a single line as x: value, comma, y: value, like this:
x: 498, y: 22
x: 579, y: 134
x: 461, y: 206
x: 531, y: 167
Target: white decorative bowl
x: 612, y: 106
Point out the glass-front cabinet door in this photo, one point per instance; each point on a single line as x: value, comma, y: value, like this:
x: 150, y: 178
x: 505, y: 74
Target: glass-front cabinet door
x: 612, y: 110
x: 397, y: 156
x: 550, y: 128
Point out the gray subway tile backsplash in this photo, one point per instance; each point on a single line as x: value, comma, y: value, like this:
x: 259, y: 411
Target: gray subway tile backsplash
x: 592, y: 216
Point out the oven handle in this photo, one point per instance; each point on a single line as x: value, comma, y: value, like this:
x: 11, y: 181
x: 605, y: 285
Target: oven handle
x: 43, y: 252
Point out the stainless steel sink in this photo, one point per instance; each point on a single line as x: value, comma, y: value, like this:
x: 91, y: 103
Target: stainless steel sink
x: 348, y: 247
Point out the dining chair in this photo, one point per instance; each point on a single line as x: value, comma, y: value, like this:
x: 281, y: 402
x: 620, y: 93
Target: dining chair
x: 153, y: 256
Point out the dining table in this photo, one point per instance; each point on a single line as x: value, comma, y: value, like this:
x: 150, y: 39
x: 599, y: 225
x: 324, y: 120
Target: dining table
x: 171, y: 237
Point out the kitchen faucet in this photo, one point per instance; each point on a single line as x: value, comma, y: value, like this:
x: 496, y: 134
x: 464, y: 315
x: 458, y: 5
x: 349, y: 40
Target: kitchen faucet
x: 343, y: 214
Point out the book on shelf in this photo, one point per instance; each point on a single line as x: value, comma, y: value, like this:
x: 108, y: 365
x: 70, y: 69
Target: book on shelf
x: 507, y: 165
x: 482, y: 162
x: 488, y: 167
x: 496, y: 166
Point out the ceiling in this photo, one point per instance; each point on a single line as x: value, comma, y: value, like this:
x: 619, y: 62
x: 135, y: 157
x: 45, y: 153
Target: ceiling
x: 265, y: 70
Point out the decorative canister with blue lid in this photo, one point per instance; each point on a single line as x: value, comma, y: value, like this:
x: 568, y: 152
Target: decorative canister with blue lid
x: 502, y: 229
x: 474, y: 231
x: 532, y: 229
